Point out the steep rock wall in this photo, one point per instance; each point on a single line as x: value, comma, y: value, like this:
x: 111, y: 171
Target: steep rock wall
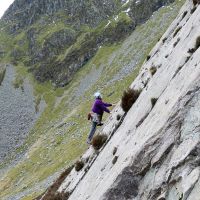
x: 158, y: 146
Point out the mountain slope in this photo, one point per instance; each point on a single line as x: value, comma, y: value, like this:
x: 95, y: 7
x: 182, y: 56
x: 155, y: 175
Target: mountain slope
x: 56, y: 38
x: 24, y: 13
x: 157, y: 143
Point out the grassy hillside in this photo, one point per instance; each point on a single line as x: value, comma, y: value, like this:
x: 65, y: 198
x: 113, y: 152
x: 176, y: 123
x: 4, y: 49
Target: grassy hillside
x: 59, y: 136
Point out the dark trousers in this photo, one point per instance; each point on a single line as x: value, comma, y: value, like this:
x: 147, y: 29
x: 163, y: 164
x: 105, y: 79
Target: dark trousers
x: 92, y: 131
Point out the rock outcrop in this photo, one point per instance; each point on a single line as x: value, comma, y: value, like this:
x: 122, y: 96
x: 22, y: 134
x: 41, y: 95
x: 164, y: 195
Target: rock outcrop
x: 23, y: 13
x: 156, y: 143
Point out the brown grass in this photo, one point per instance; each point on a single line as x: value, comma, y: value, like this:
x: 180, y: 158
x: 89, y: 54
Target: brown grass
x: 192, y: 10
x: 195, y: 2
x: 153, y: 70
x: 184, y: 14
x: 59, y: 196
x: 79, y: 165
x: 51, y: 193
x: 98, y: 141
x: 177, y: 30
x: 148, y: 57
x: 128, y: 99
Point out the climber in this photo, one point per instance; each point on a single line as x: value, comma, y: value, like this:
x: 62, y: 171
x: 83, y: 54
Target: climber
x: 95, y: 116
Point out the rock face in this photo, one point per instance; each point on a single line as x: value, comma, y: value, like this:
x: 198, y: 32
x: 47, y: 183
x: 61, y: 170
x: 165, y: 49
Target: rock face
x: 61, y: 36
x: 157, y: 145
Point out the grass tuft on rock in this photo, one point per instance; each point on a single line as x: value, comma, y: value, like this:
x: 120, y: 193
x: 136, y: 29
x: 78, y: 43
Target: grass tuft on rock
x: 153, y: 70
x: 129, y: 98
x: 118, y: 117
x: 114, y: 160
x: 195, y: 2
x: 148, y: 57
x: 98, y: 141
x: 177, y: 30
x: 79, y: 165
x: 192, y: 10
x: 184, y: 14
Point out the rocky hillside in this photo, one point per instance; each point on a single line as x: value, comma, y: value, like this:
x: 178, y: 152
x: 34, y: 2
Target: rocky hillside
x: 24, y: 13
x: 56, y: 38
x: 152, y: 151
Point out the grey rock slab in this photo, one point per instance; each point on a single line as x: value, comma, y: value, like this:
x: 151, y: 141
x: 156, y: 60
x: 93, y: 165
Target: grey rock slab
x: 158, y: 146
x: 189, y: 182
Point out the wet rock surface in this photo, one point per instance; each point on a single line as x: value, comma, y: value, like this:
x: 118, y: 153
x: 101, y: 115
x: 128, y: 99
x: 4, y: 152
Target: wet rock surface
x: 17, y: 113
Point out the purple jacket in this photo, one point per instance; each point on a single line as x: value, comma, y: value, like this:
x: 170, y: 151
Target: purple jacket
x: 99, y: 107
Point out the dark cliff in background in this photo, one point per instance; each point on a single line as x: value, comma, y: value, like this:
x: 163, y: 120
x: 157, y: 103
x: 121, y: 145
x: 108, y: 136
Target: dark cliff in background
x: 24, y: 13
x: 55, y: 38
